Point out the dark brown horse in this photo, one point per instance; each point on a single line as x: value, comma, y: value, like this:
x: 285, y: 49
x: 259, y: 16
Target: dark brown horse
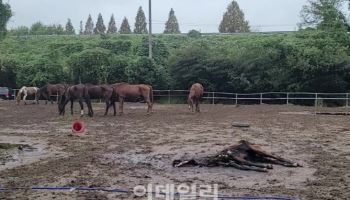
x: 48, y: 90
x: 125, y: 90
x: 76, y: 92
x: 105, y: 92
x: 196, y: 93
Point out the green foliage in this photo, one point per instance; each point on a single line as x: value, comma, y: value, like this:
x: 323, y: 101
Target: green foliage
x: 119, y: 47
x: 81, y: 32
x: 125, y: 27
x: 112, y: 27
x: 160, y: 51
x: 325, y: 15
x: 233, y: 20
x: 90, y: 66
x: 40, y: 29
x: 194, y: 34
x: 140, y: 22
x: 172, y: 26
x: 145, y: 70
x: 307, y: 61
x: 5, y: 15
x: 100, y: 26
x: 19, y: 31
x: 69, y: 28
x: 7, y: 72
x: 89, y: 26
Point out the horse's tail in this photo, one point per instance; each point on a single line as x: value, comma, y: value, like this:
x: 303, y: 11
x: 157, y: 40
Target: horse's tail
x: 151, y: 94
x: 114, y: 94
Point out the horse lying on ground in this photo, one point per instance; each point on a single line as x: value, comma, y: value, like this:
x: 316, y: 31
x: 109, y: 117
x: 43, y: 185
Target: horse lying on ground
x: 125, y: 90
x: 194, y: 97
x: 244, y: 156
x: 48, y: 90
x: 72, y: 93
x: 27, y: 91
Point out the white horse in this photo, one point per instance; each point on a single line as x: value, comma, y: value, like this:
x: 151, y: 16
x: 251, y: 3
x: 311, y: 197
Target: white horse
x: 31, y: 91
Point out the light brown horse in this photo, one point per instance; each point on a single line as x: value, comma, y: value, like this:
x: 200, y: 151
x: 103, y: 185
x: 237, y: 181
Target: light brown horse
x: 125, y: 90
x: 48, y: 90
x: 27, y: 91
x: 196, y: 93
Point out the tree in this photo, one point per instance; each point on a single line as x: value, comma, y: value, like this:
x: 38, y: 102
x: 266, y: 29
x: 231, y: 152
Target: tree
x: 100, y: 26
x: 5, y: 15
x: 172, y: 26
x: 324, y: 14
x: 125, y: 27
x: 81, y: 32
x: 112, y: 27
x: 233, y: 20
x: 89, y: 26
x: 69, y: 28
x: 140, y: 22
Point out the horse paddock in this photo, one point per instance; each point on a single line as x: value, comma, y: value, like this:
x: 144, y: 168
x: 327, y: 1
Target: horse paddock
x: 138, y: 149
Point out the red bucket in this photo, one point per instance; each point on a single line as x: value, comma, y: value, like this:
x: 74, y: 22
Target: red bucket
x: 78, y: 127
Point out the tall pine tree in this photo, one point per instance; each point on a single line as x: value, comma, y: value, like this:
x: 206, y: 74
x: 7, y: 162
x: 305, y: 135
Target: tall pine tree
x: 233, y: 20
x: 100, y: 26
x: 69, y: 28
x: 125, y: 27
x: 112, y: 27
x: 81, y: 32
x: 89, y: 26
x: 140, y: 22
x: 172, y: 26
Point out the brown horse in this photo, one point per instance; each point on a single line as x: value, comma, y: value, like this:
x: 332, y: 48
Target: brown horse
x: 76, y: 92
x: 105, y: 92
x: 48, y: 90
x: 27, y: 91
x: 196, y: 93
x: 125, y: 90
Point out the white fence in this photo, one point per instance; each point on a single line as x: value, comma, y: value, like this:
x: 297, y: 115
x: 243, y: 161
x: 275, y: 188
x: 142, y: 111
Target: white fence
x: 317, y: 99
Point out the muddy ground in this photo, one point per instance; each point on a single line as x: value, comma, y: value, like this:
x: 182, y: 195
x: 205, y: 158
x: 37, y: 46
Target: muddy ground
x: 137, y: 149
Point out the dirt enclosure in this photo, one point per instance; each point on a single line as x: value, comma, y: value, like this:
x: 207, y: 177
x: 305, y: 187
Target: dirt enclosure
x: 138, y: 149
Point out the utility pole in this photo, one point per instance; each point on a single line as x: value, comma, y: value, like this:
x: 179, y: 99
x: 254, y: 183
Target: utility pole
x: 150, y: 30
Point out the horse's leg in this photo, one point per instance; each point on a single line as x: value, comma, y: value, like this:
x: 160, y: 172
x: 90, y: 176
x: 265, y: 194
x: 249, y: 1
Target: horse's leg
x: 64, y: 106
x: 88, y: 103
x: 258, y: 151
x: 25, y: 97
x: 71, y: 106
x: 81, y: 107
x: 50, y: 98
x: 107, y: 106
x: 149, y: 104
x: 121, y: 102
x: 114, y: 110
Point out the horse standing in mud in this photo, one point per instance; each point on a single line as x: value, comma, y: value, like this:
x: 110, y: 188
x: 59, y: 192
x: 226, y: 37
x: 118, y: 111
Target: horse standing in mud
x: 76, y: 92
x: 105, y: 92
x: 48, y: 90
x: 27, y: 91
x: 125, y: 90
x: 196, y: 93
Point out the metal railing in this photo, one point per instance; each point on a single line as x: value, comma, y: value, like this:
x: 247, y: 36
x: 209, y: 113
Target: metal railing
x: 180, y: 96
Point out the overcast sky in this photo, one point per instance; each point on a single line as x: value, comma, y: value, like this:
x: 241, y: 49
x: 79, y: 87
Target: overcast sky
x: 203, y: 15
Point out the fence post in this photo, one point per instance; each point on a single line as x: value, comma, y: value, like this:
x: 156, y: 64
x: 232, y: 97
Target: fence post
x: 213, y: 98
x: 347, y: 99
x: 261, y: 98
x: 57, y: 97
x: 287, y: 98
x: 316, y: 96
x: 169, y: 101
x: 14, y: 94
x: 236, y: 99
